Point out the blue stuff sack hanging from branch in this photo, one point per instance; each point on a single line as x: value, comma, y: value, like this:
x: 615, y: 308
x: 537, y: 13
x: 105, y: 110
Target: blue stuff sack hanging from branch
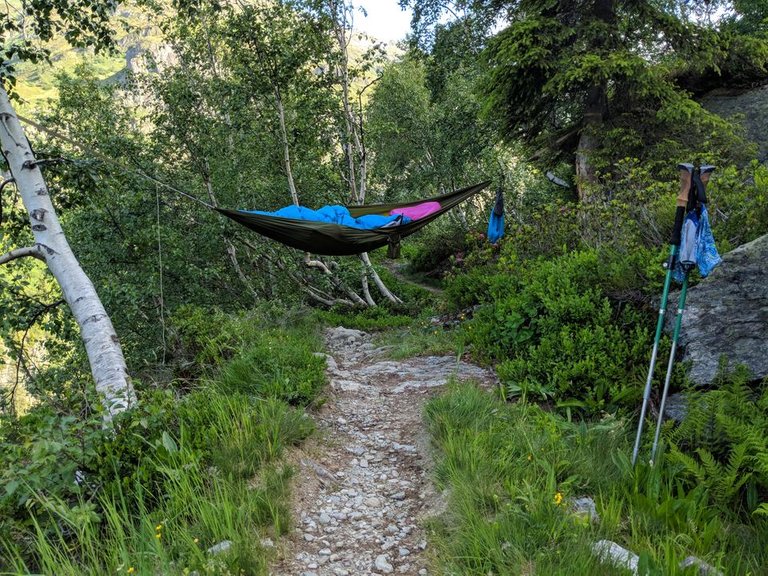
x: 496, y: 221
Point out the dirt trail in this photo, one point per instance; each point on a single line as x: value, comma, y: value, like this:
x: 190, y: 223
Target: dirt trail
x: 362, y: 489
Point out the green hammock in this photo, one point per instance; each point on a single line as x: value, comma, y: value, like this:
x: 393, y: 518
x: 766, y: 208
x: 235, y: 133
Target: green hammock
x: 336, y: 240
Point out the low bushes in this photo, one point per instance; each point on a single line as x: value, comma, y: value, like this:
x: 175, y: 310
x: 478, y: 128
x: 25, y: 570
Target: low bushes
x: 555, y: 332
x: 511, y: 472
x: 176, y: 475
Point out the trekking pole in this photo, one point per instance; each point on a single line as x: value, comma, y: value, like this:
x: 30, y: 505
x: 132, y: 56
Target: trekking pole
x: 686, y: 172
x: 697, y: 197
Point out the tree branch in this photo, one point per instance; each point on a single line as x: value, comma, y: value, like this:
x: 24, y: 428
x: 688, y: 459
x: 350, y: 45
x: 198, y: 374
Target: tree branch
x: 35, y: 251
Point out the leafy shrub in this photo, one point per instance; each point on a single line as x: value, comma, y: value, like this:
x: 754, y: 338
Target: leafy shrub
x: 554, y: 330
x: 191, y: 459
x: 739, y: 205
x: 206, y: 338
x: 369, y: 319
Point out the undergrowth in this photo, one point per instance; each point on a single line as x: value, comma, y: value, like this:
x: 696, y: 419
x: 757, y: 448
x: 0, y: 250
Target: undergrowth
x: 512, y: 472
x: 197, y: 464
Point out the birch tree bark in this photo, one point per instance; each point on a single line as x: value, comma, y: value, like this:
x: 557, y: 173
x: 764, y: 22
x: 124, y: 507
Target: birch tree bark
x: 102, y: 346
x: 354, y: 146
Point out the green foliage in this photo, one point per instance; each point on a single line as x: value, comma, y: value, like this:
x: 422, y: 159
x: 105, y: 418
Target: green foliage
x: 739, y: 206
x: 82, y: 23
x: 277, y: 365
x: 175, y: 475
x: 368, y: 319
x: 512, y: 470
x: 251, y: 354
x: 554, y: 329
x: 721, y: 444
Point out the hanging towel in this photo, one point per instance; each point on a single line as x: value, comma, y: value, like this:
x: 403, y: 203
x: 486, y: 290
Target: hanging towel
x: 697, y: 245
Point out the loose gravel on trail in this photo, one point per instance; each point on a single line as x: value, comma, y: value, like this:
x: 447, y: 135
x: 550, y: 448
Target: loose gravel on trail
x: 362, y: 489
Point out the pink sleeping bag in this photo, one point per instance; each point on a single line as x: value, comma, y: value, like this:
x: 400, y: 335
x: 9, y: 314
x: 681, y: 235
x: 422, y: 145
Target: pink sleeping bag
x: 418, y: 211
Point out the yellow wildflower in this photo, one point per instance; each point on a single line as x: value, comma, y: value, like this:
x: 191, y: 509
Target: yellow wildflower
x: 159, y: 527
x: 131, y: 570
x: 197, y: 540
x: 158, y: 535
x: 558, y: 498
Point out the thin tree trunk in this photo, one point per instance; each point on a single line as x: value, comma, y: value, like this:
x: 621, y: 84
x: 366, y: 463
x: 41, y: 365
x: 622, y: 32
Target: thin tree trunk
x: 366, y: 290
x: 353, y: 145
x: 356, y: 156
x: 231, y: 251
x: 102, y: 346
x: 586, y: 178
x: 386, y: 292
x: 286, y: 149
x: 595, y: 110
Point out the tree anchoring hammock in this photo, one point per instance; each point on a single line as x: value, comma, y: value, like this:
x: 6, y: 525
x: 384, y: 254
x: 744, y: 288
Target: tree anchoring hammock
x: 338, y: 240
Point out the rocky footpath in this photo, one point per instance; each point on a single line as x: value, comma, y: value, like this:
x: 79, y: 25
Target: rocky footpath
x: 363, y: 489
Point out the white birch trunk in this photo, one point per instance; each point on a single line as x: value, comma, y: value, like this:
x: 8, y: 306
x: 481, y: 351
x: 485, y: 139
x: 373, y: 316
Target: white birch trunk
x: 101, y: 343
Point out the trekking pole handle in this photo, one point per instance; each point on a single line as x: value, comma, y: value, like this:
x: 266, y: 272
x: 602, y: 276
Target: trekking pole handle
x: 686, y: 175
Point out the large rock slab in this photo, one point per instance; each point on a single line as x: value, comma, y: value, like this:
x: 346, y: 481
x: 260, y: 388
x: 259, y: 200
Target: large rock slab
x: 751, y: 106
x: 727, y: 314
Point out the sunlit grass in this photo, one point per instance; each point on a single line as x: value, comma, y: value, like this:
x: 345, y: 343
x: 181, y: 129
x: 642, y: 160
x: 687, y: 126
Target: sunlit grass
x: 511, y: 471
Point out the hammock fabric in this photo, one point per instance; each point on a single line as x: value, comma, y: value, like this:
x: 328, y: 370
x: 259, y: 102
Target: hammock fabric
x: 337, y: 240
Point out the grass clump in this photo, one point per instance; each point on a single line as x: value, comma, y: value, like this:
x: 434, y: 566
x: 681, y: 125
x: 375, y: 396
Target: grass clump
x: 186, y: 469
x: 277, y: 364
x: 512, y: 470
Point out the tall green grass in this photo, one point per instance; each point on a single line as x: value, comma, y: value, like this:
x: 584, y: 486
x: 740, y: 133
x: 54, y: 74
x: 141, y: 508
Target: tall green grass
x: 220, y: 480
x: 511, y: 471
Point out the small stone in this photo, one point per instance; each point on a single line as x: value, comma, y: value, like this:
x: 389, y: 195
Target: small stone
x: 312, y: 566
x: 404, y: 569
x: 325, y: 552
x: 398, y: 496
x: 585, y: 508
x: 704, y: 569
x: 324, y: 518
x: 372, y: 502
x: 611, y: 552
x: 363, y: 463
x: 423, y: 572
x: 309, y: 574
x: 222, y: 546
x: 392, y: 529
x: 404, y: 551
x: 422, y: 546
x: 382, y: 565
x: 308, y: 537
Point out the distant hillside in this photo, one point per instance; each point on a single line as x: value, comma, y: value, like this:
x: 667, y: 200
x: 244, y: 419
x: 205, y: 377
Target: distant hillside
x: 136, y: 34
